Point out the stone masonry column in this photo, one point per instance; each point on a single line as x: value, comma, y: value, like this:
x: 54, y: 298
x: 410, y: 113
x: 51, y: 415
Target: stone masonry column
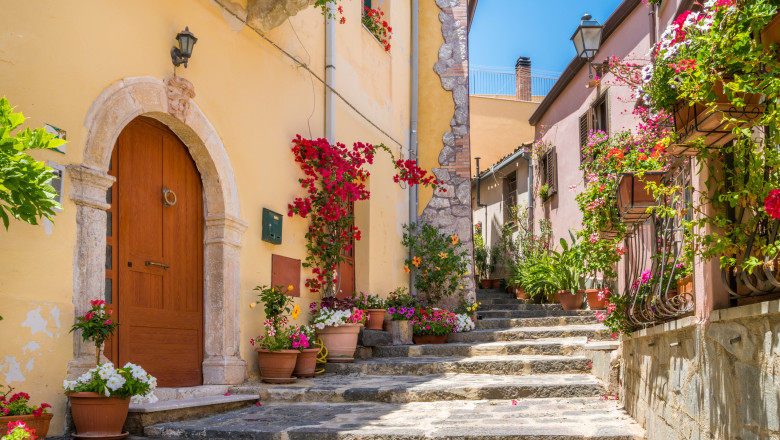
x: 222, y: 363
x: 88, y: 192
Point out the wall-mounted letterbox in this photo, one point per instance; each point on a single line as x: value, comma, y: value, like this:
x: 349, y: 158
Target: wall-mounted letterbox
x: 272, y: 226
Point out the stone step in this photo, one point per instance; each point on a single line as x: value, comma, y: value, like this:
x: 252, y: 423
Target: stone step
x: 503, y: 364
x: 142, y: 415
x: 549, y: 321
x: 519, y: 306
x: 532, y: 313
x: 526, y: 419
x: 404, y: 389
x: 550, y: 346
x: 592, y: 331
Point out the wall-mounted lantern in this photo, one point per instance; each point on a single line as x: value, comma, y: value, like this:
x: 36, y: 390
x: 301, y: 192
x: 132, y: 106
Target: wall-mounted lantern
x: 180, y: 55
x: 587, y: 40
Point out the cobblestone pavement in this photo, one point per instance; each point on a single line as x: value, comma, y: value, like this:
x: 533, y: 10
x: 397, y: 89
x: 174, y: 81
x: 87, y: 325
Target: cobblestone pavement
x: 524, y: 374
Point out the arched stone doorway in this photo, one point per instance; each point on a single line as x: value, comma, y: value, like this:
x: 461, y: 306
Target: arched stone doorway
x: 170, y: 103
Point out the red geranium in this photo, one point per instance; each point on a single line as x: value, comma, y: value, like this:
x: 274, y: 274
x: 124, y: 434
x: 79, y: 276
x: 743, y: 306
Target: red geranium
x: 772, y: 204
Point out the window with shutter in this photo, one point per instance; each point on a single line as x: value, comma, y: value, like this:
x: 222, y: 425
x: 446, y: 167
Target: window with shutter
x: 584, y: 132
x: 551, y: 171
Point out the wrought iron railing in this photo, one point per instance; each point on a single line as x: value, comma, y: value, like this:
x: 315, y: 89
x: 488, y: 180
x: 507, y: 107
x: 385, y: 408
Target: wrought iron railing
x: 763, y: 280
x: 655, y: 249
x: 531, y: 87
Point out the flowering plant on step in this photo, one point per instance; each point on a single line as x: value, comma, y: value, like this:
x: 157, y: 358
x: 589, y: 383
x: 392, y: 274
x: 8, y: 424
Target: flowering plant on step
x: 128, y: 381
x: 17, y: 404
x: 439, y: 261
x: 436, y: 322
x: 96, y: 325
x: 334, y: 179
x: 276, y: 303
x: 18, y: 430
x: 335, y: 313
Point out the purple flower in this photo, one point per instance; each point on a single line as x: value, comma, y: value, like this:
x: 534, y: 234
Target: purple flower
x: 392, y: 310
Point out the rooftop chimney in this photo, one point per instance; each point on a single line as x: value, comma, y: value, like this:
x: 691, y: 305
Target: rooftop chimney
x: 523, y: 78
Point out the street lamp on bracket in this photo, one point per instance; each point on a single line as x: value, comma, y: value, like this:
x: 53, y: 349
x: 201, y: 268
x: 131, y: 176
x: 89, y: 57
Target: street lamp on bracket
x: 587, y: 40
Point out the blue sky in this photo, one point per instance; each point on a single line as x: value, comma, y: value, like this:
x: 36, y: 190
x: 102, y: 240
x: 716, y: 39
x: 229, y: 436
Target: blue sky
x: 503, y: 30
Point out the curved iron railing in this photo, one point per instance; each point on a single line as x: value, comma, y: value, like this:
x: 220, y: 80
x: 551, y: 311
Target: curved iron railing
x: 655, y: 249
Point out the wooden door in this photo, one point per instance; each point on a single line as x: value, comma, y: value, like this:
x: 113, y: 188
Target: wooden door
x: 347, y: 268
x: 158, y: 206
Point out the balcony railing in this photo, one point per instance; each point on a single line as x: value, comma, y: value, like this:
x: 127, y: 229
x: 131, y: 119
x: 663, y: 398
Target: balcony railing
x: 530, y: 87
x: 654, y: 260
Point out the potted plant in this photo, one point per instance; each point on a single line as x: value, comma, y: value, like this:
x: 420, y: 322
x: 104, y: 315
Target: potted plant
x: 18, y: 431
x: 303, y: 337
x: 597, y: 298
x: 432, y: 326
x: 400, y: 308
x: 100, y: 398
x: 15, y: 408
x: 481, y: 257
x: 543, y: 191
x: 439, y: 261
x: 375, y: 308
x: 468, y: 308
x: 566, y: 273
x: 635, y: 194
x: 338, y: 325
x: 275, y: 353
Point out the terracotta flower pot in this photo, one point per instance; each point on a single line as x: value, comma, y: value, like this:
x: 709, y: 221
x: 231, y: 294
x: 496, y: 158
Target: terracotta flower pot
x: 375, y: 319
x: 495, y: 284
x: 39, y: 424
x: 430, y: 339
x: 402, y: 332
x: 340, y: 341
x: 685, y: 285
x: 97, y: 414
x: 593, y: 300
x: 634, y: 195
x: 484, y: 283
x: 520, y: 293
x: 277, y: 366
x: 306, y: 362
x: 569, y: 301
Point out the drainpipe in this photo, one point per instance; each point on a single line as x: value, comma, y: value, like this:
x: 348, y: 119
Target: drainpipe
x: 479, y: 204
x: 330, y: 74
x: 414, y: 193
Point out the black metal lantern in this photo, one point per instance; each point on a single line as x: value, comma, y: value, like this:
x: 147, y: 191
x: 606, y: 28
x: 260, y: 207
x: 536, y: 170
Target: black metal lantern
x: 180, y: 55
x: 587, y: 38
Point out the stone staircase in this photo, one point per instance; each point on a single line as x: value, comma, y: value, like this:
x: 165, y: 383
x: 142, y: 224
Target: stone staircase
x: 524, y: 373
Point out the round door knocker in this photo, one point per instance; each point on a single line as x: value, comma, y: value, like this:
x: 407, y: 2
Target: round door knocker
x: 169, y: 197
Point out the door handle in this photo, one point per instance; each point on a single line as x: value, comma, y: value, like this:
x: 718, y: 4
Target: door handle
x: 156, y: 264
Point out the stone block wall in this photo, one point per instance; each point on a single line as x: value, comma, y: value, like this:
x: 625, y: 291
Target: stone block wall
x: 719, y: 380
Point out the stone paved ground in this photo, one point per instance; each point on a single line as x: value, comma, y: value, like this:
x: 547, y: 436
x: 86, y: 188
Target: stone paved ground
x: 523, y: 374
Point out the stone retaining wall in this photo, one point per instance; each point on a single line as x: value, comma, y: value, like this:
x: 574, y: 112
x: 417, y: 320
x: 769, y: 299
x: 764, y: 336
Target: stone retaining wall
x: 719, y: 380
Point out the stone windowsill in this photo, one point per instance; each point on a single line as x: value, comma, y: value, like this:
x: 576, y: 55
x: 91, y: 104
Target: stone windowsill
x: 758, y: 309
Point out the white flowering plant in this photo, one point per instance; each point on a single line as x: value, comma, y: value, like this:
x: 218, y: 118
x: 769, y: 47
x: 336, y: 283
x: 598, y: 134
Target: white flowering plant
x: 464, y: 323
x: 128, y: 381
x: 327, y: 316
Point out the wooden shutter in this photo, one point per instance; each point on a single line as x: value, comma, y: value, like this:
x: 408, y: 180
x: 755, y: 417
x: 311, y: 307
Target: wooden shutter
x: 584, y: 131
x: 551, y: 170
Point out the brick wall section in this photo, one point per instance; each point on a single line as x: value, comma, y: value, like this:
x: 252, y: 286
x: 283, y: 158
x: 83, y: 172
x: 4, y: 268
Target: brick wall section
x: 450, y: 211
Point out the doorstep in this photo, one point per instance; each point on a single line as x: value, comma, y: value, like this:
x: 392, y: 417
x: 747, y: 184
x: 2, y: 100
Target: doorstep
x: 146, y: 414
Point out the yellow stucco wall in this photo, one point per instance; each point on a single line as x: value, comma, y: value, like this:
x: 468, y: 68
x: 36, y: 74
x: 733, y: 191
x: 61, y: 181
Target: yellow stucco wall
x: 498, y: 127
x: 435, y: 106
x: 57, y: 57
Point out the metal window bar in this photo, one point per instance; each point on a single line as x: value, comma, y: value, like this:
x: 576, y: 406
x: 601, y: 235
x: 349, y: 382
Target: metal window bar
x: 655, y: 247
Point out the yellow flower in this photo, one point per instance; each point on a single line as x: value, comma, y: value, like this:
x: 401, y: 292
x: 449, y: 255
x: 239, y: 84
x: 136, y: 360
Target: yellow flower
x: 416, y: 261
x: 296, y: 311
x: 290, y: 287
x: 252, y: 305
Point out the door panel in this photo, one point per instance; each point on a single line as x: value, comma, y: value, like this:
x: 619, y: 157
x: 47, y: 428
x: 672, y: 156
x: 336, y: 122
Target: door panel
x: 160, y: 254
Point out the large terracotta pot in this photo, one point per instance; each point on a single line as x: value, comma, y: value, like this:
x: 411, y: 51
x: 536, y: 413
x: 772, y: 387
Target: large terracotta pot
x: 495, y: 284
x: 520, y: 293
x: 569, y: 301
x: 402, y: 332
x: 39, y: 424
x: 634, y: 196
x: 593, y: 300
x: 430, y: 339
x: 485, y: 283
x: 340, y: 341
x: 685, y: 285
x: 375, y: 319
x: 306, y: 363
x: 277, y: 366
x: 97, y: 414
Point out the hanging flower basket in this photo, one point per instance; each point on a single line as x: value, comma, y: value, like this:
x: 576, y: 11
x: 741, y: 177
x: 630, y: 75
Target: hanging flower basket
x: 697, y: 120
x: 771, y: 33
x: 634, y: 196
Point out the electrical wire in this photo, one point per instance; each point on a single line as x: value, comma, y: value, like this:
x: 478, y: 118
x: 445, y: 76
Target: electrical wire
x: 313, y: 91
x: 308, y: 69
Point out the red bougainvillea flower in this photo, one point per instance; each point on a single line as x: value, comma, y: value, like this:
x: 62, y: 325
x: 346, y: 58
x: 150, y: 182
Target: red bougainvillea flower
x: 772, y: 204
